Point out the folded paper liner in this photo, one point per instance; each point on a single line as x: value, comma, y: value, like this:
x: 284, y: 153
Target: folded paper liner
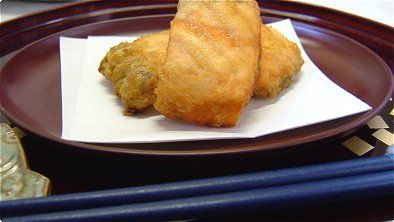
x: 91, y: 112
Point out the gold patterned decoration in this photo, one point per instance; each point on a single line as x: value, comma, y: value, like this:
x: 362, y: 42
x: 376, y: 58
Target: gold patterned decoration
x: 377, y: 123
x: 384, y: 136
x: 379, y: 129
x: 357, y: 145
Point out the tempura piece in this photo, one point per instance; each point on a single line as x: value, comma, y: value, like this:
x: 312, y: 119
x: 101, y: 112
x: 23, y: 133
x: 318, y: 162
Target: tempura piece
x: 211, y: 62
x: 133, y: 67
x: 280, y: 61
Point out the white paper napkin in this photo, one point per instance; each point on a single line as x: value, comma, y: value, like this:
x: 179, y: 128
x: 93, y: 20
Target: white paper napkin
x: 92, y: 113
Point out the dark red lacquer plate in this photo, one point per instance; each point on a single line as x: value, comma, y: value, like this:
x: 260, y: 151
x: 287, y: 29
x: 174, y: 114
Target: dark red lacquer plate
x: 355, y: 53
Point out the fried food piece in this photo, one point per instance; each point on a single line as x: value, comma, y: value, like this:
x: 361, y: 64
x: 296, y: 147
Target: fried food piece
x: 133, y: 67
x: 280, y: 61
x: 211, y: 62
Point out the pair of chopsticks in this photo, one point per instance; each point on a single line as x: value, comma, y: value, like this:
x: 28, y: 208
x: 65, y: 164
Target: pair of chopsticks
x: 276, y: 189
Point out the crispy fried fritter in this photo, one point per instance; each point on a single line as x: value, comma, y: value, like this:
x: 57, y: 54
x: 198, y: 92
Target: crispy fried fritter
x: 138, y: 64
x: 280, y: 61
x: 133, y: 67
x: 211, y: 62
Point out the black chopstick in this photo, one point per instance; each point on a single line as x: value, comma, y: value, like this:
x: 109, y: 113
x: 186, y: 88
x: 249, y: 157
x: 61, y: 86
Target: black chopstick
x: 197, y: 187
x: 263, y: 199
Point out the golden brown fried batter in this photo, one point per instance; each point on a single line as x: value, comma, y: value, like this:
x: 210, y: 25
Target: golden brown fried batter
x: 211, y: 62
x: 280, y: 61
x: 133, y: 67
